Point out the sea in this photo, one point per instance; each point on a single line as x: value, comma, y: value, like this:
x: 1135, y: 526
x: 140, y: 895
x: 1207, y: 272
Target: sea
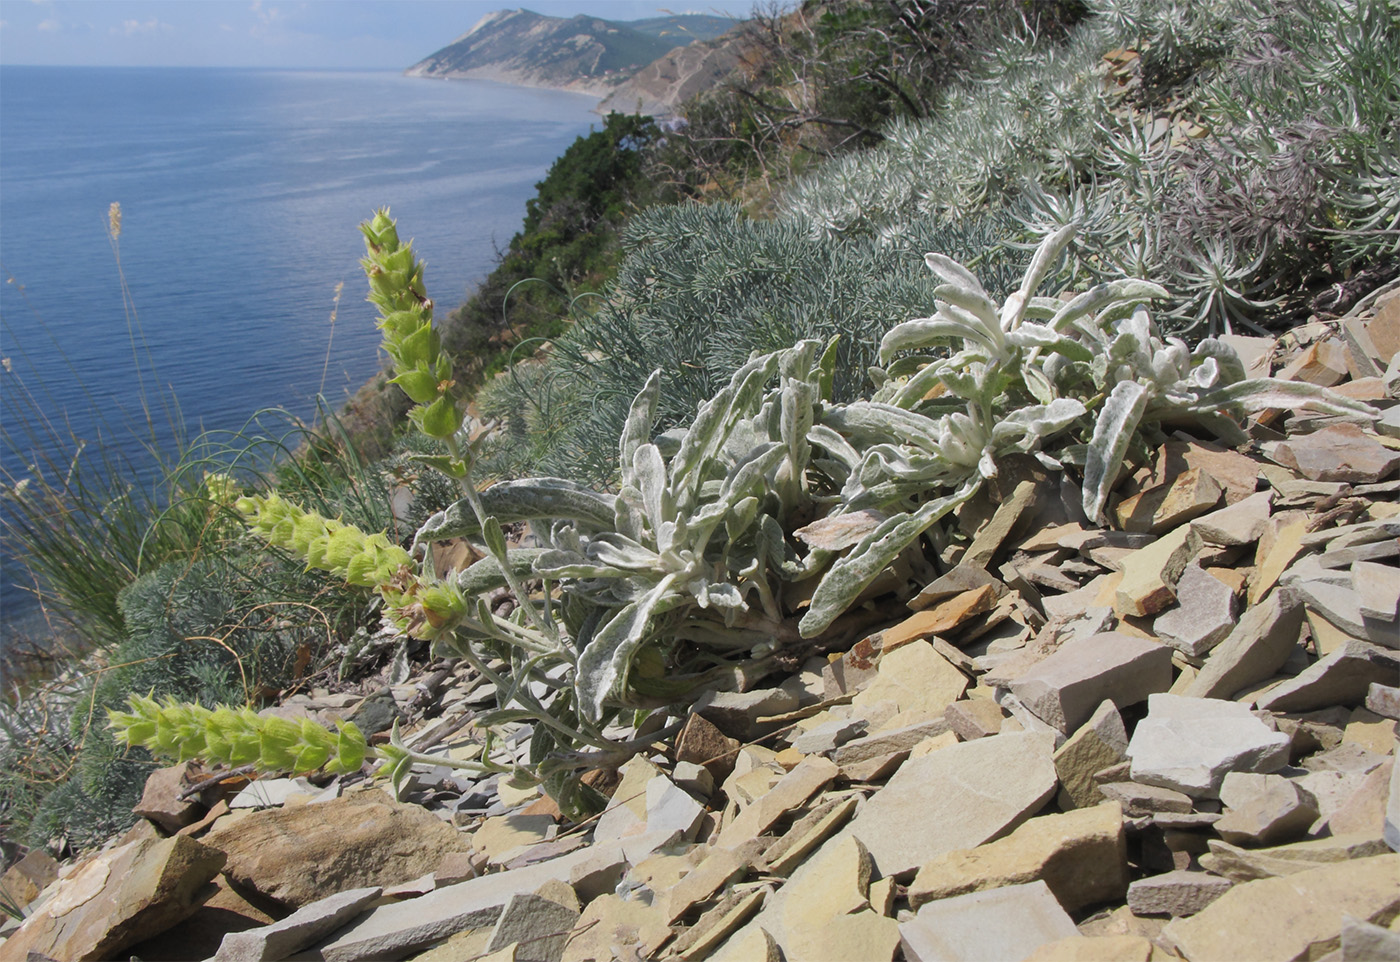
x: 240, y: 193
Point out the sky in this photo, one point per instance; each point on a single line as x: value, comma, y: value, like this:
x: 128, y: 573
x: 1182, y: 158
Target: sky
x: 319, y: 34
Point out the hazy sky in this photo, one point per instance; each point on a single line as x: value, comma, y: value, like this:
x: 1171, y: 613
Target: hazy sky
x: 366, y: 34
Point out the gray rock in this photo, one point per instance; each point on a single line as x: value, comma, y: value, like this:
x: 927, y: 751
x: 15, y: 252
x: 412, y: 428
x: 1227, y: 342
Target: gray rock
x: 1177, y: 893
x: 1367, y: 942
x: 737, y: 713
x: 539, y: 922
x: 1258, y: 646
x: 1066, y: 687
x: 916, y: 816
x: 1391, y: 831
x: 671, y: 809
x: 1342, y: 677
x: 888, y: 742
x: 1238, y: 524
x: 1338, y: 452
x: 1384, y: 700
x: 1379, y: 588
x: 1190, y: 744
x: 1341, y: 605
x: 1005, y: 923
x: 1204, y: 620
x: 695, y: 779
x: 298, y: 930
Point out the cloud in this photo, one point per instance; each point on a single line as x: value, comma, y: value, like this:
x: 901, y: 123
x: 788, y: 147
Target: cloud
x: 50, y: 25
x: 130, y: 28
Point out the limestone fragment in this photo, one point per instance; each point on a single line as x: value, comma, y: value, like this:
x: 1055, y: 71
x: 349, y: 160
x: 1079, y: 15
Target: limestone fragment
x: 1294, y: 917
x: 1263, y: 809
x: 1150, y: 574
x: 1267, y: 633
x: 1338, y: 452
x: 794, y: 788
x: 1100, y: 742
x: 1189, y: 744
x: 1342, y: 677
x: 1177, y: 893
x: 1204, y: 620
x: 915, y: 818
x: 1245, y: 865
x: 1067, y: 686
x: 1081, y: 856
x: 613, y: 927
x: 1159, y: 509
x: 915, y: 676
x: 1240, y: 523
x: 1004, y: 923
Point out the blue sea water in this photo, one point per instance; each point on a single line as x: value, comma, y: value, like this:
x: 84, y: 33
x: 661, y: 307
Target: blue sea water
x: 241, y: 192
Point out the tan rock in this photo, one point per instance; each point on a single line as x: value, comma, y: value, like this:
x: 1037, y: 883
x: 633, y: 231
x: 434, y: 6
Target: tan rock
x: 807, y: 833
x: 1111, y: 948
x: 719, y: 923
x: 1150, y: 574
x: 23, y: 881
x: 1245, y: 865
x: 865, y: 935
x: 1157, y: 510
x: 752, y: 944
x: 915, y: 676
x: 1294, y: 917
x: 1364, y: 812
x: 503, y: 833
x: 974, y: 718
x: 612, y: 927
x: 716, y: 869
x: 1236, y: 473
x: 118, y: 898
x: 1371, y: 731
x: 944, y: 617
x: 300, y: 855
x: 1101, y: 741
x: 1081, y: 855
x: 792, y: 790
x: 1287, y: 545
x: 837, y: 884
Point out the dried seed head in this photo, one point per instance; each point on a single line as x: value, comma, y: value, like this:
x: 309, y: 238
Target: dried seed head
x: 114, y: 220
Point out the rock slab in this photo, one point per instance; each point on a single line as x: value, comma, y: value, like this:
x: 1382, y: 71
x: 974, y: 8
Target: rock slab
x: 1006, y: 923
x: 1190, y: 744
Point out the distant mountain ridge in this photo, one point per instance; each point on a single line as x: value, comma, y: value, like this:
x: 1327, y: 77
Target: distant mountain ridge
x: 583, y: 54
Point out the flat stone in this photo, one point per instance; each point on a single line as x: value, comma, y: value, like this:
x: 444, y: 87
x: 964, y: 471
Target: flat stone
x: 1341, y: 605
x: 1245, y: 865
x: 1294, y: 917
x: 394, y: 930
x: 1263, y: 810
x: 538, y: 922
x: 1342, y: 677
x: 914, y: 677
x: 1370, y: 731
x: 974, y: 718
x: 807, y: 833
x: 1008, y: 517
x: 671, y: 809
x: 1238, y: 474
x: 1190, y: 744
x: 1067, y: 686
x: 302, y: 854
x: 915, y: 817
x: 298, y: 930
x: 1177, y: 893
x: 1081, y: 856
x: 1150, y: 573
x: 505, y: 833
x: 1139, y: 800
x: 827, y: 736
x: 942, y: 617
x: 1271, y: 564
x: 853, y: 670
x: 886, y: 742
x: 715, y: 870
x: 1108, y: 948
x: 1367, y: 942
x: 1161, y: 508
x: 701, y: 743
x: 612, y: 927
x: 272, y: 792
x: 1240, y: 523
x: 626, y: 810
x: 1379, y: 588
x: 1263, y: 639
x: 810, y: 776
x: 751, y: 944
x: 719, y: 923
x: 119, y: 898
x: 1365, y: 811
x: 1204, y: 621
x: 1338, y: 452
x: 838, y: 883
x: 961, y: 579
x: 1004, y: 923
x: 1100, y: 742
